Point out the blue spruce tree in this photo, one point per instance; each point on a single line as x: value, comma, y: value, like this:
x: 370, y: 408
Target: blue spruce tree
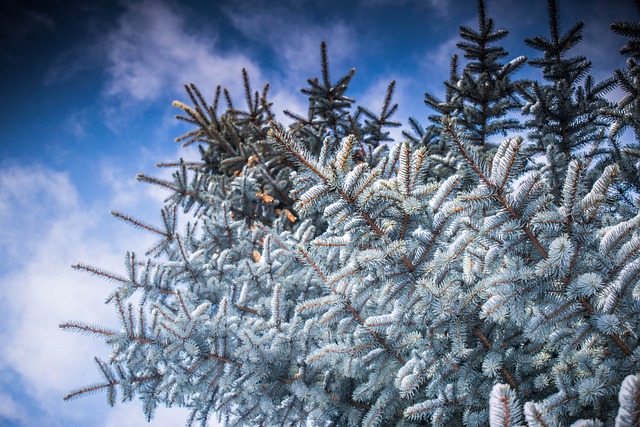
x: 481, y: 98
x: 329, y: 276
x: 626, y: 114
x: 566, y: 117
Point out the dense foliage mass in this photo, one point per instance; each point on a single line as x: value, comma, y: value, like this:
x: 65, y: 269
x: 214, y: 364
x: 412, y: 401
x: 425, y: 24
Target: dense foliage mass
x: 328, y: 275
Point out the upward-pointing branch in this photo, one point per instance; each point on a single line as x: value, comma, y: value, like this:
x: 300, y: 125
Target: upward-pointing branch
x: 497, y: 190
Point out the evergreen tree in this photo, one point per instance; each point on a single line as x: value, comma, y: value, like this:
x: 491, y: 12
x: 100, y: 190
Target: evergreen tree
x: 628, y: 79
x: 330, y: 115
x: 485, y: 89
x: 481, y: 98
x: 325, y: 277
x: 566, y: 116
x: 627, y: 113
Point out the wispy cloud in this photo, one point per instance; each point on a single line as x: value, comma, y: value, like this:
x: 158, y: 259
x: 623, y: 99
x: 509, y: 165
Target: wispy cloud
x: 47, y: 231
x: 152, y: 54
x: 297, y: 43
x: 294, y: 36
x: 27, y: 198
x: 441, y: 7
x: 11, y: 410
x: 77, y: 124
x: 70, y: 63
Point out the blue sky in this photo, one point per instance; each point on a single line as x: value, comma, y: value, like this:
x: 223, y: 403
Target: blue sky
x: 87, y: 88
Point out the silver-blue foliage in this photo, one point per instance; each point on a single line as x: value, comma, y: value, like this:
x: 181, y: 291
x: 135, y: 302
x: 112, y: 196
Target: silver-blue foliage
x: 328, y: 277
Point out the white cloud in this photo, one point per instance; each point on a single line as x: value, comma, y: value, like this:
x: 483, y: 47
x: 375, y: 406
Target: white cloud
x: 152, y: 54
x: 77, y: 123
x: 9, y: 409
x: 32, y: 195
x: 285, y: 100
x: 43, y: 290
x: 440, y: 57
x: 126, y: 193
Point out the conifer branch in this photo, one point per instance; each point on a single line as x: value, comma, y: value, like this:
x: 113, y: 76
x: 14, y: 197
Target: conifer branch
x: 505, y: 372
x: 290, y: 148
x: 99, y: 387
x: 194, y: 165
x: 498, y: 194
x: 139, y: 224
x: 224, y: 360
x: 99, y: 272
x: 278, y: 134
x: 168, y: 185
x: 187, y: 266
x: 89, y: 390
x: 95, y: 330
x: 352, y: 310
